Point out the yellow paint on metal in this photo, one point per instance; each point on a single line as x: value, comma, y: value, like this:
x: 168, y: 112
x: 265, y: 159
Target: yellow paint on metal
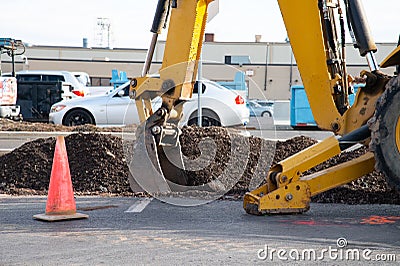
x: 146, y: 84
x: 183, y: 45
x: 340, y: 174
x: 148, y: 107
x: 272, y: 197
x: 181, y: 54
x: 303, y: 24
x: 146, y: 89
x: 293, y: 166
x: 361, y: 111
x: 293, y: 198
x: 392, y: 59
x: 251, y: 198
x: 141, y: 110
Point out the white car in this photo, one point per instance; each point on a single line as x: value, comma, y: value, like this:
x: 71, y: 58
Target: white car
x: 220, y: 106
x: 261, y: 108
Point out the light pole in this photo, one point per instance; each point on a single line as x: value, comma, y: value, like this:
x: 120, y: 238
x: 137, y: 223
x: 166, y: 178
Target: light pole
x: 199, y: 91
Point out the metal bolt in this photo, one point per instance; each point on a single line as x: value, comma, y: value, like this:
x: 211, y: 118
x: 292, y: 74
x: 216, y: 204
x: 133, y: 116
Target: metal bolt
x: 133, y: 83
x: 283, y: 179
x: 289, y: 197
x: 132, y: 94
x: 161, y: 112
x: 335, y: 126
x: 156, y: 130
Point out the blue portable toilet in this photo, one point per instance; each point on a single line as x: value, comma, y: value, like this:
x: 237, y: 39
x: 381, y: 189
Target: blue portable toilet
x: 300, y: 110
x: 118, y: 80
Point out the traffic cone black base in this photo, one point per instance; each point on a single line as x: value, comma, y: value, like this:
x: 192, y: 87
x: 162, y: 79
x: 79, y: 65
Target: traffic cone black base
x: 55, y: 218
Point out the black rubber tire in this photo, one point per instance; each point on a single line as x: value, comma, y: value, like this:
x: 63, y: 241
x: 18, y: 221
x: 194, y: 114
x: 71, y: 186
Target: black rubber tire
x: 266, y: 114
x: 77, y: 117
x: 209, y: 118
x: 383, y: 127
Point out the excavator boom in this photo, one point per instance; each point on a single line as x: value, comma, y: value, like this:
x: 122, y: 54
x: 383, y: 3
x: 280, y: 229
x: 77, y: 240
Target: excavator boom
x: 158, y: 165
x: 316, y: 30
x: 321, y: 64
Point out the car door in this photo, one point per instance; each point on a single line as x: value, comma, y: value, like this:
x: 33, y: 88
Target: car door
x: 252, y: 108
x: 121, y: 110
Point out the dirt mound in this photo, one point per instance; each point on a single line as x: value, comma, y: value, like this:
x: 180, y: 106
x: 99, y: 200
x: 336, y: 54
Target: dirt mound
x: 98, y: 165
x: 96, y: 162
x: 237, y: 158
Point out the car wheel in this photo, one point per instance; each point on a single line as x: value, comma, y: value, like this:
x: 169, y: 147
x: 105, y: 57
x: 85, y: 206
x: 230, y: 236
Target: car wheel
x: 78, y: 117
x: 266, y: 114
x: 209, y: 118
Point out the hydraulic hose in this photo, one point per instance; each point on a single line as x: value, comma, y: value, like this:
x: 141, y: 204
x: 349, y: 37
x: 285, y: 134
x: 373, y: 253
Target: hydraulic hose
x: 158, y: 22
x: 358, y: 20
x: 160, y: 16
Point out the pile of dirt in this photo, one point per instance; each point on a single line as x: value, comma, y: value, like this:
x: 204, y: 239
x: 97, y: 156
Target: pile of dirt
x: 96, y: 161
x: 98, y: 165
x: 237, y: 158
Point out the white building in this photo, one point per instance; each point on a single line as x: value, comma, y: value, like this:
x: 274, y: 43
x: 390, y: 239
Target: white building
x: 270, y: 67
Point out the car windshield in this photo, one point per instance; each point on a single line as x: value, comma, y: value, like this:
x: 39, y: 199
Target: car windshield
x: 263, y: 103
x: 254, y: 104
x: 123, y: 86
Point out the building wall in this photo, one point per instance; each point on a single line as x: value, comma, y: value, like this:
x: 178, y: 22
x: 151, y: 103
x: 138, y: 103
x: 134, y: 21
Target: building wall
x: 271, y: 69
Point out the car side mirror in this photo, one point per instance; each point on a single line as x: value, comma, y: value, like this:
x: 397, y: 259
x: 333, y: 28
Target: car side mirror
x: 121, y: 93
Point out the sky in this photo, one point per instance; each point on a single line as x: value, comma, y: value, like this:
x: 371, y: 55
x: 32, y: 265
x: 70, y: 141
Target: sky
x: 66, y: 23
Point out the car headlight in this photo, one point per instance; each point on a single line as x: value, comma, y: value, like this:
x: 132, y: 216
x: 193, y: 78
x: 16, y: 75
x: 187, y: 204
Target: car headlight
x: 57, y: 108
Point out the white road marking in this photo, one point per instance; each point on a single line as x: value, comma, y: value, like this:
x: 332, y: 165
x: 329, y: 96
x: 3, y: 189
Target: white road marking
x: 139, y: 205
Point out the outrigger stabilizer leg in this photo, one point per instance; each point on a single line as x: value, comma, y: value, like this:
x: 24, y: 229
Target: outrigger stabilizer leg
x: 287, y: 190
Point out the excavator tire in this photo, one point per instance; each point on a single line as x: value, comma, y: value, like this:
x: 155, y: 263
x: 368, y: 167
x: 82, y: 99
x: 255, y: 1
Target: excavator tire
x: 385, y: 133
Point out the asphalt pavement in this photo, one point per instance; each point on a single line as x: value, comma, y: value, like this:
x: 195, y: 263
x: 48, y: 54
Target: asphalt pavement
x: 216, y: 233
x: 133, y: 231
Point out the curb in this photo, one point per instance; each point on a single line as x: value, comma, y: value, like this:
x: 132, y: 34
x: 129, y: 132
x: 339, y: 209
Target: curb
x: 4, y: 151
x: 46, y: 134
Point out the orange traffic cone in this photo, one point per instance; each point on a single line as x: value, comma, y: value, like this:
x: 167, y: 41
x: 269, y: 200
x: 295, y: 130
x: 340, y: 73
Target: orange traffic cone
x: 60, y: 201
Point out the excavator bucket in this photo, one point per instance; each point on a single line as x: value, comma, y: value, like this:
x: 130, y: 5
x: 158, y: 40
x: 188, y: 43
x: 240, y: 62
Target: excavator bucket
x: 157, y: 164
x: 157, y: 155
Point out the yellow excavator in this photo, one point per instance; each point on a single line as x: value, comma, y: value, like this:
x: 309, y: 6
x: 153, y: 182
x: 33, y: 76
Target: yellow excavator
x: 316, y: 29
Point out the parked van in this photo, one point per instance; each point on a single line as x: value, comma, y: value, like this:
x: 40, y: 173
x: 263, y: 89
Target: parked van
x: 71, y: 86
